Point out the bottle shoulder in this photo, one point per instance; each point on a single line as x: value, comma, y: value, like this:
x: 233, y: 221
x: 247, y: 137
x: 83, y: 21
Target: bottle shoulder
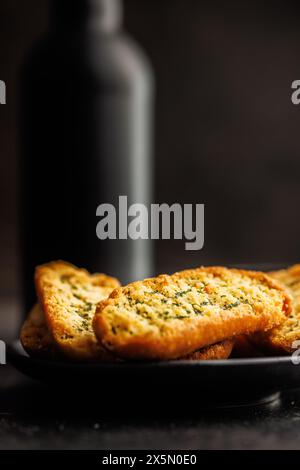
x: 109, y: 58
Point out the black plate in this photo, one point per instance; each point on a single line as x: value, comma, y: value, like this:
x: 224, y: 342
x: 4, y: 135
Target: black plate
x: 236, y: 381
x: 231, y: 381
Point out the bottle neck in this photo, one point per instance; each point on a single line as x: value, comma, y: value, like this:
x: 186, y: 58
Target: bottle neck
x: 100, y: 15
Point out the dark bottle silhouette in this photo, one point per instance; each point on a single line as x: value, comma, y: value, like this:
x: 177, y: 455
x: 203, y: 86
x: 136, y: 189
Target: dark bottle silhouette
x: 87, y: 92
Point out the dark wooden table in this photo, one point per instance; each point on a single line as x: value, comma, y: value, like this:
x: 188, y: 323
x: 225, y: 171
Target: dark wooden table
x: 34, y: 416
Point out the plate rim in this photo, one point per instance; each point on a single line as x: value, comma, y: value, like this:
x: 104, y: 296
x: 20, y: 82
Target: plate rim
x: 16, y: 350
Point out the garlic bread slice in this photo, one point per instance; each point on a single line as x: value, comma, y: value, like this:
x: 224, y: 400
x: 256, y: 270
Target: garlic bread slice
x: 68, y: 297
x: 35, y: 337
x: 216, y: 351
x: 170, y: 316
x: 283, y: 338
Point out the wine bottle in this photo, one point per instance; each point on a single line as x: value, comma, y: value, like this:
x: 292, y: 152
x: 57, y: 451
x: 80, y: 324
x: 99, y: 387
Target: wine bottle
x: 86, y: 138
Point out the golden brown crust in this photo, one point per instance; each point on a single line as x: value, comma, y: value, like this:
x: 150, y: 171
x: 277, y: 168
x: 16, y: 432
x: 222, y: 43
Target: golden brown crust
x: 215, y: 351
x: 68, y: 297
x: 38, y: 342
x: 35, y: 337
x: 281, y: 338
x: 222, y: 303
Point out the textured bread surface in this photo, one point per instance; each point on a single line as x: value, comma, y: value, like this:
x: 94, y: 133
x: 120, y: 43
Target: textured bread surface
x: 38, y: 342
x: 215, y: 351
x: 281, y: 338
x: 68, y: 297
x: 35, y: 337
x: 171, y: 316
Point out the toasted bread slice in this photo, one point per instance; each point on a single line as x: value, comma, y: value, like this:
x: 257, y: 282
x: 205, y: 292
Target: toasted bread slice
x: 215, y: 351
x: 68, y: 298
x: 35, y: 337
x: 171, y: 316
x: 281, y: 338
x: 38, y: 342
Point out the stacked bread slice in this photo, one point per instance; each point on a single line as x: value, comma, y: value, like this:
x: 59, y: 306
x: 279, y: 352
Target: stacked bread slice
x: 61, y: 322
x: 190, y: 315
x: 171, y: 316
x: 284, y: 338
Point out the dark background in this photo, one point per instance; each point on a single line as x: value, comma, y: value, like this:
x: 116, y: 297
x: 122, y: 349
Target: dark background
x: 227, y: 134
